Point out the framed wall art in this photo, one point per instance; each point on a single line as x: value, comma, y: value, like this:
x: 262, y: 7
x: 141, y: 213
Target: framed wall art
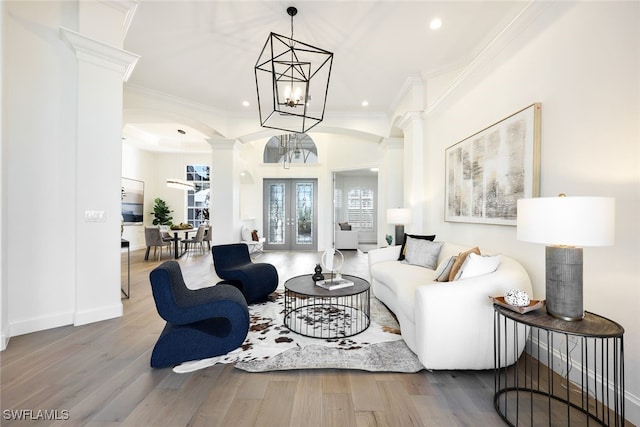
x: 132, y: 196
x: 489, y: 171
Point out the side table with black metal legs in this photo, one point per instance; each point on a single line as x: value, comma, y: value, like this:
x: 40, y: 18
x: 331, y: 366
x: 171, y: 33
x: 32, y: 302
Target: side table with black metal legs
x: 587, y: 386
x: 126, y: 244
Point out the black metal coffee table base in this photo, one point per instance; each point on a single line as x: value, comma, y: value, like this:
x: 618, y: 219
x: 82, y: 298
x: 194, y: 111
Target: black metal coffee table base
x: 315, y: 312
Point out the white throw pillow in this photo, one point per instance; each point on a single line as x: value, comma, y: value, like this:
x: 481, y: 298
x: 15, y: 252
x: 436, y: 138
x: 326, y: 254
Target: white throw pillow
x: 422, y: 252
x: 245, y: 234
x: 477, y: 265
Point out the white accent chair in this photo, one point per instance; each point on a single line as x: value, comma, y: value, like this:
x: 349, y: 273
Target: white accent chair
x: 254, y: 246
x: 346, y: 239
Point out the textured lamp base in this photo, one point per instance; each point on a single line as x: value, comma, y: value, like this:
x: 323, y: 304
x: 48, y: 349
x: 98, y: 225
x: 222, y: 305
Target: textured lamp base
x: 399, y: 234
x: 564, y: 282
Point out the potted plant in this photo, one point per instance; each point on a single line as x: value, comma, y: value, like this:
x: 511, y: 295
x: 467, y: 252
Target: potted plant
x: 161, y: 213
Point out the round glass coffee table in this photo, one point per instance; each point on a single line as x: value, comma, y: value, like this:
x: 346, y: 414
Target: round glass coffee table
x: 316, y: 312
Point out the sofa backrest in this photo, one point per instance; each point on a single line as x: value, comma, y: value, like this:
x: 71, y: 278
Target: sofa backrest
x: 451, y: 249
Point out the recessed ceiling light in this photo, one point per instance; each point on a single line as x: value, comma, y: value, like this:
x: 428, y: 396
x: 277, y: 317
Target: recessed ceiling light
x: 435, y: 23
x: 245, y: 103
x: 365, y: 103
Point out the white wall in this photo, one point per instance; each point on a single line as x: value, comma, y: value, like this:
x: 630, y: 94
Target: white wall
x: 61, y: 161
x: 582, y: 62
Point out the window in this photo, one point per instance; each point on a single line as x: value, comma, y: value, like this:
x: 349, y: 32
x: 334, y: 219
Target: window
x: 360, y: 208
x: 296, y: 148
x: 198, y: 199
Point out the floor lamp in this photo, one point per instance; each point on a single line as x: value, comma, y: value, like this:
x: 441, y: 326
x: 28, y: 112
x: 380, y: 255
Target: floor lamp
x: 399, y: 217
x: 566, y: 224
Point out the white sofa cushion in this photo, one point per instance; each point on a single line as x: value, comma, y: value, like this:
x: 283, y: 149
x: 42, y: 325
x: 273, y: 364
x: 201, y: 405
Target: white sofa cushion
x: 402, y: 279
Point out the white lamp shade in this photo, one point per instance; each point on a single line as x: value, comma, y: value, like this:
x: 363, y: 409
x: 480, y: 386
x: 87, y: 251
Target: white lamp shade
x: 570, y: 221
x: 398, y: 216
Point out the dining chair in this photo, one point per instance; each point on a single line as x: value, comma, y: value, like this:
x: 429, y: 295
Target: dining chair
x: 197, y: 239
x: 207, y: 236
x: 153, y: 238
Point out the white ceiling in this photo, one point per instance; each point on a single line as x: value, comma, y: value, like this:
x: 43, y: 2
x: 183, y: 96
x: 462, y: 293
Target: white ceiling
x: 205, y: 51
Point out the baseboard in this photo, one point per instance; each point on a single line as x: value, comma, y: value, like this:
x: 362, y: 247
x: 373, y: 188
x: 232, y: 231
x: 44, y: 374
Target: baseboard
x: 40, y: 323
x: 96, y: 315
x: 4, y: 338
x: 631, y: 401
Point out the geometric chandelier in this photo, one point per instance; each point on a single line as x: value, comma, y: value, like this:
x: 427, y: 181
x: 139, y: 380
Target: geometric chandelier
x: 292, y: 82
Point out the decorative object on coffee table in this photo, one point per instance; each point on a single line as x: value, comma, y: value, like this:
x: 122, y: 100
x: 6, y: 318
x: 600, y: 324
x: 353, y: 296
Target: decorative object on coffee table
x: 332, y: 260
x: 563, y: 223
x: 318, y: 273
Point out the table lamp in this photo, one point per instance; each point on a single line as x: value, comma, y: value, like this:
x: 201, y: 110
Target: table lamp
x: 399, y: 217
x: 566, y: 224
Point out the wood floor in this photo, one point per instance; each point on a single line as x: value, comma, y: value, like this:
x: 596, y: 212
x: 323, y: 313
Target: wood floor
x: 99, y: 375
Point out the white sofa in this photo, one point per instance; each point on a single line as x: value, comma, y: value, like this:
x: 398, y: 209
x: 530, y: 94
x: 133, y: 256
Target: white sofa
x: 449, y: 325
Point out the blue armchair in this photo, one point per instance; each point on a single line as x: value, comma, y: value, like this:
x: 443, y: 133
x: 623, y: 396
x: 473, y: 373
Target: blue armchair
x: 201, y: 323
x: 233, y: 264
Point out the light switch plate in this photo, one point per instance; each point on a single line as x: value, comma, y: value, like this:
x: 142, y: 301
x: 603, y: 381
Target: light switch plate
x: 94, y: 216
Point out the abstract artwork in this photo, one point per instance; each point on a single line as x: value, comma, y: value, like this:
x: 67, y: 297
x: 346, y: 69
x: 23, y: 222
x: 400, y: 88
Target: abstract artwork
x: 489, y: 171
x: 132, y: 197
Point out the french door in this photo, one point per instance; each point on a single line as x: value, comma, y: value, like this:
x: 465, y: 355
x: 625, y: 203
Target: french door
x: 290, y: 214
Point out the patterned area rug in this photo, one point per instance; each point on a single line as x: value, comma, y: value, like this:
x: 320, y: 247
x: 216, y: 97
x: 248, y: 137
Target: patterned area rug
x: 270, y: 346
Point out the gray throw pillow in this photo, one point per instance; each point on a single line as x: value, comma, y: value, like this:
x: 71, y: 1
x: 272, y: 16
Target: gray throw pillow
x: 422, y: 252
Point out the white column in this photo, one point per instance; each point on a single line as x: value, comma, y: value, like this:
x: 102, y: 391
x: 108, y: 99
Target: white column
x: 98, y: 164
x: 412, y: 125
x: 225, y: 192
x: 390, y: 184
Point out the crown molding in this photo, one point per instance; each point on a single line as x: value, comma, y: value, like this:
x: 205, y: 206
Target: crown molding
x: 127, y: 7
x: 409, y: 84
x: 527, y: 16
x: 99, y: 53
x: 171, y: 99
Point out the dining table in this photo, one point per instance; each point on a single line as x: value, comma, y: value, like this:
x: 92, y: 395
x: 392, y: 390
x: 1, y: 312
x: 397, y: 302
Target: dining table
x: 176, y: 240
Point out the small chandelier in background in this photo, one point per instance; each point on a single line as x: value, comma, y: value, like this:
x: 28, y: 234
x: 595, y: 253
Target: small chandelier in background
x: 292, y: 148
x: 292, y: 82
x: 180, y: 184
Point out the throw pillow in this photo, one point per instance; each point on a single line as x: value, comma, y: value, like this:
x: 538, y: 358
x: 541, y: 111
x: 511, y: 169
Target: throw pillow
x: 477, y: 265
x: 344, y: 226
x: 460, y: 260
x: 403, y: 249
x: 442, y: 273
x: 422, y: 252
x: 245, y: 233
x: 254, y: 236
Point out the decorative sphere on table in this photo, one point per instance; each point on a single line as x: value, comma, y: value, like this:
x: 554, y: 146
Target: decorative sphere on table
x: 517, y: 297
